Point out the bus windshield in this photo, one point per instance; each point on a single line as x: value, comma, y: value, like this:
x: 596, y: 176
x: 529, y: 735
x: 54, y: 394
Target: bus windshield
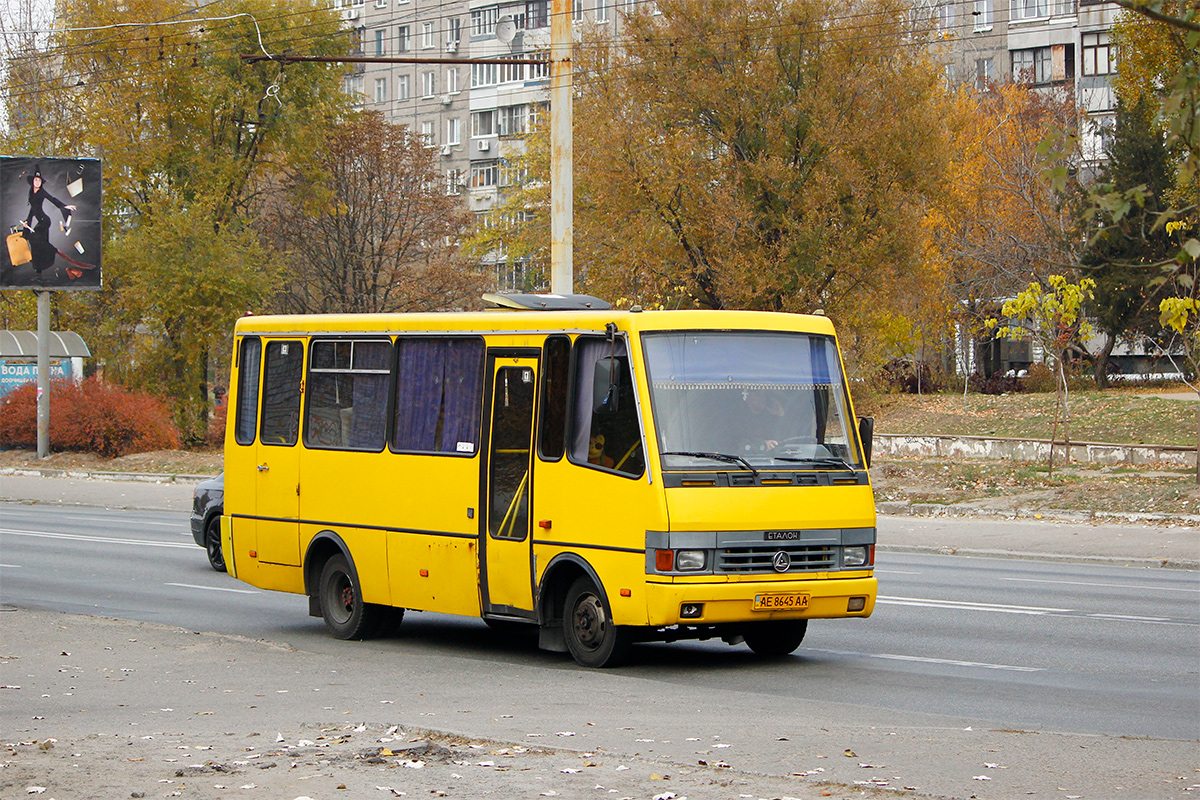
x: 725, y: 400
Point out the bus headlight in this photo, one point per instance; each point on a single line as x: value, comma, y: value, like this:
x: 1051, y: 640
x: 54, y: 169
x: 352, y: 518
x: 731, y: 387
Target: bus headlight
x: 690, y: 560
x: 854, y: 556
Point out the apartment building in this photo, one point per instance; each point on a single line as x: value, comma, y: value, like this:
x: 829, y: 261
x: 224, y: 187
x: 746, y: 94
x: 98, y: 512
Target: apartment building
x: 1055, y: 44
x: 473, y: 114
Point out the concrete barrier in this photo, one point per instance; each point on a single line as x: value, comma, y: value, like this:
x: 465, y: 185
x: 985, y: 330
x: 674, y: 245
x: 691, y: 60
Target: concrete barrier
x: 1099, y: 453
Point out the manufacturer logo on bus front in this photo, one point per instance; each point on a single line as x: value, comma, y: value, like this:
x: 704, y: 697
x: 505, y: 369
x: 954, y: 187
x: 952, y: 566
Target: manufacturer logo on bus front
x: 781, y: 536
x: 782, y: 561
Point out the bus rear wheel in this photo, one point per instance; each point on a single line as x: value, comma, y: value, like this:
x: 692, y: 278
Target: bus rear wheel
x: 777, y: 638
x: 592, y: 638
x: 342, y: 607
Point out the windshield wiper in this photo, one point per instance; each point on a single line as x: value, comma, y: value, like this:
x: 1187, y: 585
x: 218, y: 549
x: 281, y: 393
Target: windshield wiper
x: 715, y: 457
x: 825, y: 461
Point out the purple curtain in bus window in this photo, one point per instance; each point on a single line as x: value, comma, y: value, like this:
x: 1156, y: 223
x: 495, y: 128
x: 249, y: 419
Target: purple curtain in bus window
x: 419, y: 393
x: 464, y: 368
x: 370, y: 395
x: 587, y: 352
x: 819, y: 348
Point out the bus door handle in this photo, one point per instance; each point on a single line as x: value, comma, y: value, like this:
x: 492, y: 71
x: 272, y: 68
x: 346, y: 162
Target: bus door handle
x: 262, y: 468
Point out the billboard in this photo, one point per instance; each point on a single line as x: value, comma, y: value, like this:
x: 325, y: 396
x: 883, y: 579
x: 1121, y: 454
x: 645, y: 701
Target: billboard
x: 50, y: 213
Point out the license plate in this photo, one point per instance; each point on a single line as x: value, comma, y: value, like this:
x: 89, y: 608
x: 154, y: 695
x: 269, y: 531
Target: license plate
x: 780, y: 602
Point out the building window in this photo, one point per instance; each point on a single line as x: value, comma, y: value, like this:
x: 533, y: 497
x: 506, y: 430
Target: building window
x: 1030, y: 9
x: 403, y: 91
x: 483, y: 123
x: 512, y: 120
x: 602, y: 10
x: 428, y: 83
x: 355, y: 88
x: 453, y: 129
x: 427, y: 135
x: 454, y: 181
x: 483, y: 21
x: 943, y: 15
x: 483, y: 74
x: 537, y: 13
x: 1032, y: 66
x: 984, y: 73
x: 381, y: 90
x: 483, y: 175
x: 983, y: 15
x: 402, y: 39
x: 1098, y: 55
x: 427, y: 39
x: 452, y: 80
x: 379, y: 43
x: 576, y: 10
x: 454, y: 31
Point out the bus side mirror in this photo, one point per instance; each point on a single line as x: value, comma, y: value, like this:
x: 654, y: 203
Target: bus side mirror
x: 866, y: 433
x: 606, y: 385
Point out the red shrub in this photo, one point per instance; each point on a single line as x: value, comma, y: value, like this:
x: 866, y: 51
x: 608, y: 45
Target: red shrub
x: 216, y: 424
x: 90, y: 417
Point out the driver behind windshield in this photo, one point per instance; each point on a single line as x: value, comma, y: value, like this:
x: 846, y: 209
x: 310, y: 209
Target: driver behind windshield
x: 763, y: 423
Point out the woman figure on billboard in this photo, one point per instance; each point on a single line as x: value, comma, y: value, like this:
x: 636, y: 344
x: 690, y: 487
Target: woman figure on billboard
x: 38, y: 235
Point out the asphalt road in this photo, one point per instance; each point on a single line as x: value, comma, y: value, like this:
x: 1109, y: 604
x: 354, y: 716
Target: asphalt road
x: 956, y: 644
x: 1028, y: 645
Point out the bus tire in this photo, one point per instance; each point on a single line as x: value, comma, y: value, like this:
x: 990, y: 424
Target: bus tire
x: 777, y: 638
x: 592, y: 638
x: 342, y: 607
x: 212, y: 544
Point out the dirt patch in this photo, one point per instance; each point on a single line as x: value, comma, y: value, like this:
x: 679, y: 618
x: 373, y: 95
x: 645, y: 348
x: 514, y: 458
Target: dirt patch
x: 159, y: 462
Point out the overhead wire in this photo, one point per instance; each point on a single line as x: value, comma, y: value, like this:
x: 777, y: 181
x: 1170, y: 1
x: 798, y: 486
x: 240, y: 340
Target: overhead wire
x: 670, y: 47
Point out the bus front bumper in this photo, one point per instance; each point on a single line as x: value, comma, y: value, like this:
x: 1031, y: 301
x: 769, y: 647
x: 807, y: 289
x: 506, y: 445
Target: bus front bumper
x: 754, y: 601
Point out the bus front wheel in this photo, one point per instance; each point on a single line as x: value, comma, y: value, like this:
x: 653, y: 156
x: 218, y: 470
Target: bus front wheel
x: 778, y: 638
x: 342, y: 606
x: 592, y: 638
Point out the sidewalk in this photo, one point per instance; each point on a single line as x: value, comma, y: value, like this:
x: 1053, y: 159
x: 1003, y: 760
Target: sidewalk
x: 975, y: 528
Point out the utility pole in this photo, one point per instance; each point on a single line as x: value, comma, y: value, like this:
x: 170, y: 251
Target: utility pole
x: 562, y: 168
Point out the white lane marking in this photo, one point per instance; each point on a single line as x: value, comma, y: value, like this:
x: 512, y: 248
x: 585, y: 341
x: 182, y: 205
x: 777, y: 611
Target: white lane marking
x: 10, y: 566
x: 925, y: 660
x: 964, y: 605
x: 97, y: 539
x: 894, y: 572
x: 212, y: 588
x: 1107, y: 585
x: 17, y: 512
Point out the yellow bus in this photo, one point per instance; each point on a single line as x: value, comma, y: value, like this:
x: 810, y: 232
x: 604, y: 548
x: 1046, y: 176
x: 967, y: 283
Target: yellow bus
x: 608, y: 476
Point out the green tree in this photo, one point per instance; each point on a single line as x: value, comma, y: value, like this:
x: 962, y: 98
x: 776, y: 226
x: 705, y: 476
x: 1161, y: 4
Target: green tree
x: 373, y: 229
x: 188, y: 132
x: 1181, y: 316
x: 1054, y: 316
x: 1121, y: 255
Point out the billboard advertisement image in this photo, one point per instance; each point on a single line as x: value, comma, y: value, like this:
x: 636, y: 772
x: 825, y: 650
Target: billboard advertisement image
x: 50, y: 213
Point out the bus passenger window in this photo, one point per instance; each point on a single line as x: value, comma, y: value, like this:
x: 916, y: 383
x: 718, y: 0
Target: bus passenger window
x: 247, y: 391
x: 281, y: 393
x: 605, y: 429
x: 348, y: 394
x: 556, y: 362
x: 439, y: 393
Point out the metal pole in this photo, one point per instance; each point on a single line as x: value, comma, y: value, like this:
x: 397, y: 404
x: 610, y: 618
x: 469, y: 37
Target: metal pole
x: 562, y: 173
x: 43, y: 374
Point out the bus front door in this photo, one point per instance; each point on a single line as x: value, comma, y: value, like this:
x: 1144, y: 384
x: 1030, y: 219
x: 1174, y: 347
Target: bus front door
x: 505, y: 546
x: 277, y: 477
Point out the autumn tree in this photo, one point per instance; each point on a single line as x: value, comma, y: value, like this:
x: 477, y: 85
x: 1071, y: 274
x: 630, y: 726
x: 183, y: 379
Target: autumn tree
x: 757, y: 154
x: 1004, y: 223
x: 187, y: 132
x: 373, y: 227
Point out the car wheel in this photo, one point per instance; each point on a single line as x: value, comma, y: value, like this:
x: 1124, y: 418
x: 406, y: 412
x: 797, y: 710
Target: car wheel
x: 592, y: 638
x: 342, y: 606
x: 774, y: 639
x: 212, y: 543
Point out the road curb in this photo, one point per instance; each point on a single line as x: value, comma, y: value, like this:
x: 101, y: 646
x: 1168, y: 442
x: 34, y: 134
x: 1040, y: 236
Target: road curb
x: 133, y: 477
x: 905, y: 508
x: 1111, y: 561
